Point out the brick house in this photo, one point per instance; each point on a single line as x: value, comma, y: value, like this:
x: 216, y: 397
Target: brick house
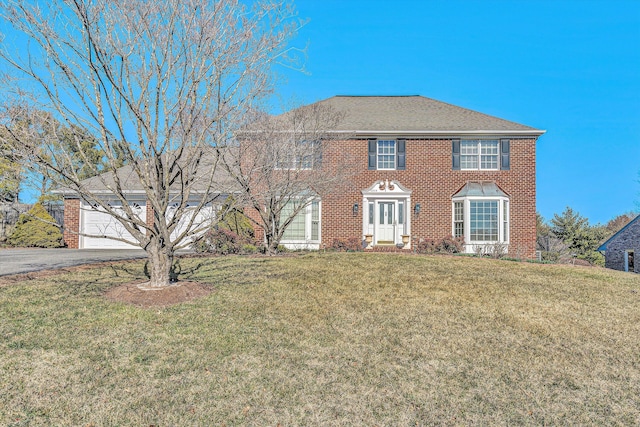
x: 621, y: 248
x: 424, y: 169
x: 428, y: 170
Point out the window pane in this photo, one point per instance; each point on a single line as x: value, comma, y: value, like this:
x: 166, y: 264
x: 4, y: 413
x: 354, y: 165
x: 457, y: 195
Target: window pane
x: 371, y: 213
x: 469, y: 154
x: 381, y: 219
x: 458, y: 218
x: 315, y: 221
x: 505, y: 220
x: 483, y: 220
x: 386, y: 154
x: 296, y: 228
x: 489, y: 155
x: 400, y: 213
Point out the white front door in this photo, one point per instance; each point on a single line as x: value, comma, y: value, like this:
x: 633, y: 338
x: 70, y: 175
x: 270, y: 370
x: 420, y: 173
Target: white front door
x: 386, y: 224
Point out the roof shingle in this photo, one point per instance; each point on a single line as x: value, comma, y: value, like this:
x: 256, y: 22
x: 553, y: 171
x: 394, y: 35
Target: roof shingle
x: 370, y: 114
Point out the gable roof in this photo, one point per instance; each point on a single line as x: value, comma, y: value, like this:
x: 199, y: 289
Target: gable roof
x: 603, y: 247
x: 130, y: 181
x: 416, y: 114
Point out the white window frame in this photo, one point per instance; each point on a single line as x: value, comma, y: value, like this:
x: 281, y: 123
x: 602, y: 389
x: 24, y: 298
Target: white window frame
x: 480, y: 145
x: 393, y: 155
x: 503, y: 220
x: 307, y: 211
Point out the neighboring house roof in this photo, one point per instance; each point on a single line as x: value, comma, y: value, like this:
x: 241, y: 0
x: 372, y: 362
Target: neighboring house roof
x: 480, y: 189
x: 603, y: 247
x: 377, y: 115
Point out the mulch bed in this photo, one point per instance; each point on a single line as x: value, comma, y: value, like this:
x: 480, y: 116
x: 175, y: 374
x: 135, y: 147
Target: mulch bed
x: 131, y: 293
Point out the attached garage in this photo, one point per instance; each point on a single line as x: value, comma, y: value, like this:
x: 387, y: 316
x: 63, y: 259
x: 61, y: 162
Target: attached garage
x: 205, y: 216
x: 87, y: 225
x: 94, y: 221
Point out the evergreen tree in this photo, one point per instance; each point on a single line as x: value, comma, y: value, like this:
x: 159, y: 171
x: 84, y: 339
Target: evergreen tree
x: 581, y: 238
x: 36, y: 228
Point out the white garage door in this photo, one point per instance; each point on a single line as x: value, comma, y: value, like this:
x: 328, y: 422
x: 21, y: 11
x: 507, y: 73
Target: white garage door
x: 205, y: 216
x: 96, y: 222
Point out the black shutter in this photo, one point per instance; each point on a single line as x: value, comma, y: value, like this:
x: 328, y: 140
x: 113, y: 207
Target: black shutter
x: 505, y: 155
x: 373, y: 148
x: 317, y: 154
x: 455, y: 157
x: 401, y: 157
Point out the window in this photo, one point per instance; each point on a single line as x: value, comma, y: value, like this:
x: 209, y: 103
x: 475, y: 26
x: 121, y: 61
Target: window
x: 305, y: 155
x: 481, y: 220
x: 481, y: 154
x: 458, y: 219
x: 505, y: 219
x: 305, y: 226
x: 387, y: 154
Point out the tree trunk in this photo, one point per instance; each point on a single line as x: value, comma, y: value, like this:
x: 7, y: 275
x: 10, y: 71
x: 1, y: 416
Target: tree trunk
x: 271, y: 244
x: 160, y: 260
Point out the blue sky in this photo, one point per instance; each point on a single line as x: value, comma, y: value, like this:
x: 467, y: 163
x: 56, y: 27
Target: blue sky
x: 570, y: 67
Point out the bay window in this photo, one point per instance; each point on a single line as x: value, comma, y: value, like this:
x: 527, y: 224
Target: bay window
x: 305, y: 226
x: 480, y: 214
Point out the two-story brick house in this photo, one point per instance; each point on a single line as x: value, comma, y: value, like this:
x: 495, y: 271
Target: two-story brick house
x: 423, y: 169
x: 427, y: 169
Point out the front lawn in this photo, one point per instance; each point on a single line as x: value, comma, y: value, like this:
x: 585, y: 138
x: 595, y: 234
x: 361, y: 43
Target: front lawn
x: 327, y: 339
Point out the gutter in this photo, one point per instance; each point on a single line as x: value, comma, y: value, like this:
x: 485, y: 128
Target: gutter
x: 516, y: 133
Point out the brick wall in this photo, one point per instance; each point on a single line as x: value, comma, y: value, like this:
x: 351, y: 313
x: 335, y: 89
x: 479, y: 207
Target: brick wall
x: 430, y: 176
x: 150, y: 219
x: 71, y: 223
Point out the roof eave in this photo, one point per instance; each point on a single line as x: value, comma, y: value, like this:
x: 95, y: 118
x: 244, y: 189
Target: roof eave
x: 517, y: 133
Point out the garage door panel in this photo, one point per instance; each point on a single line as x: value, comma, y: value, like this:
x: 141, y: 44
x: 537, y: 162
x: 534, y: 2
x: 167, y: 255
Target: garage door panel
x: 205, y: 215
x: 97, y: 222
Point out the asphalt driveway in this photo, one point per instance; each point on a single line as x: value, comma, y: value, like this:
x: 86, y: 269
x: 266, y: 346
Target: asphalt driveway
x: 15, y: 261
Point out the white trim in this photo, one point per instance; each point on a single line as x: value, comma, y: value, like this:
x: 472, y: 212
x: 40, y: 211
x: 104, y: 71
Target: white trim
x: 391, y: 191
x: 466, y: 207
x: 519, y: 133
x: 453, y: 133
x: 308, y: 242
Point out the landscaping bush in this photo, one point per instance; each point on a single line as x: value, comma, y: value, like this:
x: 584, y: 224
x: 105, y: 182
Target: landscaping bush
x: 36, y: 228
x: 351, y: 244
x: 234, y: 219
x: 220, y: 241
x: 426, y: 246
x: 451, y: 245
x: 448, y: 245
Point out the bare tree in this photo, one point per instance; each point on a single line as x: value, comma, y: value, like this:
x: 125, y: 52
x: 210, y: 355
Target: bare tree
x: 162, y: 85
x: 285, y: 163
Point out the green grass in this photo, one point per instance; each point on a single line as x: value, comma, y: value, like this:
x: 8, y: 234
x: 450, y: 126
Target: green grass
x: 328, y: 339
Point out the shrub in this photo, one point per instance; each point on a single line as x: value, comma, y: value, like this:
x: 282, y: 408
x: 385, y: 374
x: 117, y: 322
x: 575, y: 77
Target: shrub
x: 36, y: 228
x: 350, y: 244
x: 234, y: 219
x: 450, y: 245
x: 426, y: 246
x: 248, y: 248
x: 549, y: 256
x: 497, y: 250
x: 221, y: 241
